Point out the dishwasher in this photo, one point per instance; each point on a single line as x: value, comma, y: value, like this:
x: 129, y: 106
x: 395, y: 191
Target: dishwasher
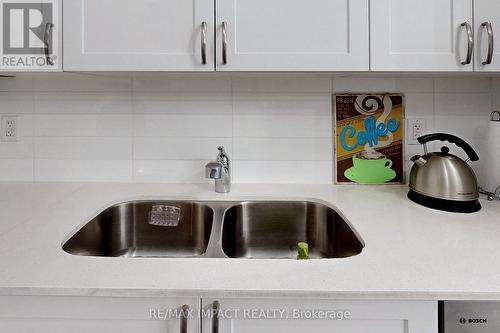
x: 469, y: 316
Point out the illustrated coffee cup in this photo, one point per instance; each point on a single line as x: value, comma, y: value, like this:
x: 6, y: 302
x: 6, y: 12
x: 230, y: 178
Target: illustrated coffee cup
x: 371, y: 166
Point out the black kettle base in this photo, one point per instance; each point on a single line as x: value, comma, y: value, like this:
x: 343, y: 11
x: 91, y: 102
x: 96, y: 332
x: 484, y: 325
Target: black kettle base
x: 445, y: 205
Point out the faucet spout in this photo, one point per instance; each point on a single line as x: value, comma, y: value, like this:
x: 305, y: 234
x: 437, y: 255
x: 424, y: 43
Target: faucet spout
x: 213, y: 170
x: 220, y: 171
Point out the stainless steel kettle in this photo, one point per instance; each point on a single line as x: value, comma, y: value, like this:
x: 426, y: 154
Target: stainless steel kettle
x: 443, y: 181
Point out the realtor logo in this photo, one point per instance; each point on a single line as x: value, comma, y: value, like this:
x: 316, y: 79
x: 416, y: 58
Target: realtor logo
x: 24, y: 26
x: 28, y: 36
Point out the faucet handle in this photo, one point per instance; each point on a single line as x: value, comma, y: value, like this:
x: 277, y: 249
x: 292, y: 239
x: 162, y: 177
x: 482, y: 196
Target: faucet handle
x: 222, y: 157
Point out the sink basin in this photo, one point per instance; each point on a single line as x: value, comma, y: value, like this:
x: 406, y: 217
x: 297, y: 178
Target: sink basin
x: 123, y: 230
x: 216, y: 229
x: 273, y: 229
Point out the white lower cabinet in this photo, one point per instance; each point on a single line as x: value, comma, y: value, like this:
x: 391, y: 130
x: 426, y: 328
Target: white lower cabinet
x: 51, y: 314
x: 57, y: 314
x: 320, y: 316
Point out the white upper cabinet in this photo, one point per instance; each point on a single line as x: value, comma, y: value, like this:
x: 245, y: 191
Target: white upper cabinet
x: 138, y: 35
x: 292, y: 35
x: 487, y: 29
x: 423, y: 35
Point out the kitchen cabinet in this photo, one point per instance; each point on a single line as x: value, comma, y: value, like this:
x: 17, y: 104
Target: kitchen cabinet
x: 424, y: 35
x: 49, y: 314
x: 138, y: 35
x: 487, y: 29
x: 320, y: 316
x: 30, y: 36
x: 292, y: 35
x: 178, y: 35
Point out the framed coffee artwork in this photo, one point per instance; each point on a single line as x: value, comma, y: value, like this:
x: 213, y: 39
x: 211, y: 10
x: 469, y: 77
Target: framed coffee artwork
x: 369, y: 138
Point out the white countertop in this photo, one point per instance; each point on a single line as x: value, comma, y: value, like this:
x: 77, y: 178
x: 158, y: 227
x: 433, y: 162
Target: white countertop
x: 411, y: 252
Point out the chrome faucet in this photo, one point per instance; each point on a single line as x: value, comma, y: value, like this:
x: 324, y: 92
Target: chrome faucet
x: 220, y: 171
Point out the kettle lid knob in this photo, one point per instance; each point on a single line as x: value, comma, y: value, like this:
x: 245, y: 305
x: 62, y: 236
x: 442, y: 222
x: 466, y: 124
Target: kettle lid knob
x: 445, y: 150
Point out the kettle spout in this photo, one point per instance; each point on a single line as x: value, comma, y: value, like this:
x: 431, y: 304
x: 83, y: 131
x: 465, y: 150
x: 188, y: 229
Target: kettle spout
x: 418, y: 160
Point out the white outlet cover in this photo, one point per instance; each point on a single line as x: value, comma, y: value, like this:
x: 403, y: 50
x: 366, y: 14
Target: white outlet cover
x: 5, y: 135
x: 409, y: 129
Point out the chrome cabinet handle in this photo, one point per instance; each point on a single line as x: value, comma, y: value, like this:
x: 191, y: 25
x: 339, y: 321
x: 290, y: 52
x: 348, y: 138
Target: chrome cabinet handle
x: 470, y: 43
x: 184, y: 318
x: 47, y: 40
x: 224, y: 44
x: 215, y: 317
x: 204, y: 43
x: 491, y: 42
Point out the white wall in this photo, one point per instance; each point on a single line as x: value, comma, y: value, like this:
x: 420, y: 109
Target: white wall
x: 155, y: 128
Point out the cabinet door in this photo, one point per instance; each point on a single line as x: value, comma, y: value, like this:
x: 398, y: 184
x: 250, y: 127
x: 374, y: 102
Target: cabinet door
x: 138, y: 35
x: 487, y: 28
x: 319, y: 316
x: 30, y: 36
x: 49, y: 314
x: 292, y: 35
x: 424, y: 35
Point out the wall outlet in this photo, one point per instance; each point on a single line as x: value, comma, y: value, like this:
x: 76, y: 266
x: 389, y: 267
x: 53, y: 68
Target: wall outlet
x: 9, y: 128
x: 416, y: 127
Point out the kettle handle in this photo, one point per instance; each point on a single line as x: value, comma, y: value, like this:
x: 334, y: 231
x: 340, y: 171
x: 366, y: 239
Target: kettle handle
x: 452, y: 139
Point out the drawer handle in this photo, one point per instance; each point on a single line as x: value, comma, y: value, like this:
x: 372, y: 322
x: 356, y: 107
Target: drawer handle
x: 215, y: 318
x: 224, y: 44
x: 204, y: 43
x: 47, y: 40
x: 470, y: 43
x: 491, y: 42
x: 184, y: 318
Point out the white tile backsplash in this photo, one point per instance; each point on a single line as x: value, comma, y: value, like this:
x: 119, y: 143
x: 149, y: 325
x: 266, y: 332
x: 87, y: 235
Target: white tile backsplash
x: 419, y: 104
x: 161, y: 83
x: 462, y: 85
x: 170, y: 171
x: 153, y: 127
x: 462, y: 104
x: 182, y: 103
x: 281, y: 172
x: 179, y: 125
x: 283, y: 104
x: 282, y: 126
x: 83, y: 170
x: 281, y: 85
x: 21, y: 149
x: 83, y: 125
x: 282, y: 149
x: 83, y: 148
x: 179, y: 148
x: 81, y: 82
x: 82, y: 103
x: 14, y: 102
x: 16, y: 170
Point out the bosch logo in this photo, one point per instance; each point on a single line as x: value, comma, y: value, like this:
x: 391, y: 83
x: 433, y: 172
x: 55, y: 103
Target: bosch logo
x: 473, y: 320
x: 477, y: 321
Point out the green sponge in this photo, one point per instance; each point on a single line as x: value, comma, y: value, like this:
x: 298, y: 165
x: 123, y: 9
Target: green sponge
x: 303, y: 250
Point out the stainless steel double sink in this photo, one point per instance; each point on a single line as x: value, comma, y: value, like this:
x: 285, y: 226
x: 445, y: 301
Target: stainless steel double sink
x: 217, y: 229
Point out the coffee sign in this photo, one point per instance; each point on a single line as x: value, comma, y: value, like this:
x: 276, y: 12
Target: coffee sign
x: 369, y: 138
